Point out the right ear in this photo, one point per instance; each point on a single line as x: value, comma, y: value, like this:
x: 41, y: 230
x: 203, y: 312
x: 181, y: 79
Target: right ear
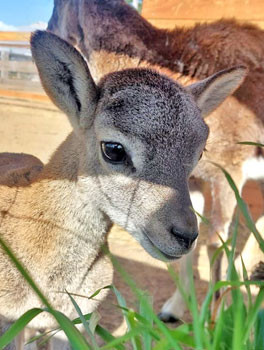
x: 65, y: 77
x: 211, y: 92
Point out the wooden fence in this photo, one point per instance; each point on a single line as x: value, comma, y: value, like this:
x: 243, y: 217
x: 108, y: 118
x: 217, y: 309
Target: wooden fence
x: 169, y: 13
x: 17, y: 71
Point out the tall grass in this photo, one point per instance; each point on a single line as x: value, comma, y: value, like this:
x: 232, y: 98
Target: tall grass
x: 236, y: 323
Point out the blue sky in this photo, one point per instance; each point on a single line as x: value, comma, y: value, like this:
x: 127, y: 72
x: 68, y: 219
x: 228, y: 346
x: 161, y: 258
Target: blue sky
x: 22, y: 13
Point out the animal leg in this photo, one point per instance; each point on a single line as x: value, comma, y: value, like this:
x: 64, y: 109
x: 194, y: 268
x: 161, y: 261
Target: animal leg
x: 223, y: 205
x: 252, y: 254
x: 18, y: 343
x: 174, y: 308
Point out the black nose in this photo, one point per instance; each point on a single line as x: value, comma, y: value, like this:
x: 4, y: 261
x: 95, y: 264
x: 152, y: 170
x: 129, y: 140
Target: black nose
x: 185, y: 239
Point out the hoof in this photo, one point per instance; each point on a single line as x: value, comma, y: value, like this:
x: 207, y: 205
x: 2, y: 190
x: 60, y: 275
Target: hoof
x: 168, y: 318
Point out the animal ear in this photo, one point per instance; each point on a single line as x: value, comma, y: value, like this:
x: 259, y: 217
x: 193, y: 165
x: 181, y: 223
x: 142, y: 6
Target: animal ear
x: 211, y: 92
x: 65, y: 77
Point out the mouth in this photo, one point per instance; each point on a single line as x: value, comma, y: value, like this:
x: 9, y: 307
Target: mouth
x: 157, y: 253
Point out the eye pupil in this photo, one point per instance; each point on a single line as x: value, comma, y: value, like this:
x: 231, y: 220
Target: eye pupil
x: 113, y: 152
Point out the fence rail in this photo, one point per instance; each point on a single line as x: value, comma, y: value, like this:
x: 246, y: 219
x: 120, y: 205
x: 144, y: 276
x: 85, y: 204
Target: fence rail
x: 17, y: 71
x: 8, y: 65
x: 171, y: 13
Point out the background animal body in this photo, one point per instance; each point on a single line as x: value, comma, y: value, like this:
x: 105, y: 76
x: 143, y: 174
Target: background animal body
x: 113, y: 36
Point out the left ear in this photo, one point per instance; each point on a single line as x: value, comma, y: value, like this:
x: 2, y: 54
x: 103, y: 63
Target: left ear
x: 211, y: 92
x: 65, y: 77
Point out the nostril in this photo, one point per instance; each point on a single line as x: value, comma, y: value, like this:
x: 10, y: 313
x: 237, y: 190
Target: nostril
x: 185, y: 239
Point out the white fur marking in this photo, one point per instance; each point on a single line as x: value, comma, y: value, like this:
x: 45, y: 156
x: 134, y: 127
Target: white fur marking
x: 253, y: 168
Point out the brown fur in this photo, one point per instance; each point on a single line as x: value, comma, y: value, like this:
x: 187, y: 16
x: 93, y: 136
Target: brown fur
x: 197, y: 52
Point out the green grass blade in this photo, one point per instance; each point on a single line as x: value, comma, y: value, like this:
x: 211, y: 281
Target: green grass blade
x: 44, y: 340
x: 226, y: 339
x: 182, y: 337
x: 46, y: 336
x: 221, y: 284
x: 205, y: 308
x: 129, y: 320
x: 191, y: 302
x: 18, y: 326
x: 218, y: 331
x: 245, y: 278
x: 76, y: 339
x: 126, y: 337
x: 251, y: 143
x: 198, y: 330
x: 25, y: 273
x: 162, y: 345
x: 77, y: 320
x: 94, y: 321
x: 99, y: 290
x: 177, y: 281
x: 238, y: 307
x: 239, y: 322
x: 149, y: 327
x: 203, y: 218
x: 216, y: 254
x: 84, y: 322
x: 259, y: 331
x: 252, y: 316
x: 108, y: 337
x: 133, y: 324
x: 231, y: 271
x: 163, y: 328
x: 243, y: 207
x: 103, y: 333
x: 143, y: 311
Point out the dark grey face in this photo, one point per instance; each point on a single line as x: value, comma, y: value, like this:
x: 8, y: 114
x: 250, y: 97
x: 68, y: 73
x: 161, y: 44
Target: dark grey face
x: 149, y: 138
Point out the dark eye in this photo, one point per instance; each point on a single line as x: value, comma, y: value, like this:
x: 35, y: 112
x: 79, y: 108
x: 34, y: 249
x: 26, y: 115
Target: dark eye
x: 113, y: 152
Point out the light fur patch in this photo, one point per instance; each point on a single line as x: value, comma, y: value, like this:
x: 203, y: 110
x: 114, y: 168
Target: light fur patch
x: 253, y: 168
x: 104, y: 62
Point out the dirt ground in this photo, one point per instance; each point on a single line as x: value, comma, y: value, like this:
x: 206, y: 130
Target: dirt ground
x: 38, y: 128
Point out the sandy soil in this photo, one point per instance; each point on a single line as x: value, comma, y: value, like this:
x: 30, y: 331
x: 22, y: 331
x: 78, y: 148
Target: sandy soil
x: 38, y: 128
